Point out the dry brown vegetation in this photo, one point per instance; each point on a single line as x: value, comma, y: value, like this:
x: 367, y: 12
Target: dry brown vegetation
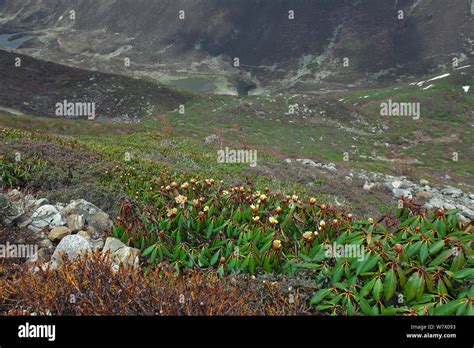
x: 91, y: 286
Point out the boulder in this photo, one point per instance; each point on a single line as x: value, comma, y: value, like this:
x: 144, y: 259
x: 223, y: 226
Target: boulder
x: 75, y: 222
x: 72, y: 246
x: 121, y: 253
x: 94, y: 243
x: 45, y: 216
x: 91, y: 214
x: 100, y: 221
x: 58, y: 233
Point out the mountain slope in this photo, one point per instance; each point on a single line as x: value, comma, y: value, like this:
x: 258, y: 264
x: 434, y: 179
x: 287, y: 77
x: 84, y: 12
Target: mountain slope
x: 273, y: 49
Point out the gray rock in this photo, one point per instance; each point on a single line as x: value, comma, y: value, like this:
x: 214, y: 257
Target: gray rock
x: 452, y: 191
x: 46, y: 243
x: 45, y: 216
x: 75, y: 222
x: 307, y: 162
x: 211, y: 139
x: 100, y: 221
x: 91, y: 214
x: 73, y: 246
x: 94, y: 243
x: 398, y: 192
x: 121, y: 253
x: 80, y: 207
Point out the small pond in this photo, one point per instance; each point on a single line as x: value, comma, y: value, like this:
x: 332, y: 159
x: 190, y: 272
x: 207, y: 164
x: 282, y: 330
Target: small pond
x: 6, y: 40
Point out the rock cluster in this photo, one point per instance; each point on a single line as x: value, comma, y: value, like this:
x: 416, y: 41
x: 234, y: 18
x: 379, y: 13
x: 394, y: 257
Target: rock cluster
x: 72, y: 229
x: 433, y: 196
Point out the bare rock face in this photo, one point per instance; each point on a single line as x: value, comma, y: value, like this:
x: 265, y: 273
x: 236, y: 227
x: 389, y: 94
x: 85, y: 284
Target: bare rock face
x: 58, y: 233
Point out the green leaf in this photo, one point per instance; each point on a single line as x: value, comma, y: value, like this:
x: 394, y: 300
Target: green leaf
x: 448, y: 308
x: 458, y: 262
x: 410, y: 286
x: 463, y: 274
x: 214, y: 258
x: 367, y: 287
x: 390, y: 284
x: 148, y: 250
x: 423, y: 252
x: 436, y: 247
x: 378, y: 287
x: 320, y: 295
x: 338, y: 270
x: 441, y: 258
x: 364, y: 306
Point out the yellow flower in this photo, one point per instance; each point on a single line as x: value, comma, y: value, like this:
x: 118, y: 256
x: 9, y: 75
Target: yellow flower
x: 181, y: 200
x: 168, y: 187
x: 185, y: 186
x: 322, y: 223
x: 312, y: 201
x: 294, y: 198
x: 278, y: 210
x: 205, y: 209
x: 172, y: 212
x: 256, y: 219
x: 195, y: 202
x: 276, y: 244
x: 371, y: 221
x: 272, y: 221
x: 174, y: 184
x: 308, y: 236
x: 263, y: 198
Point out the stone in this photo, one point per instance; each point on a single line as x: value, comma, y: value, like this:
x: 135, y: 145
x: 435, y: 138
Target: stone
x: 72, y: 246
x: 46, y: 243
x: 397, y: 192
x: 58, y: 233
x: 45, y: 216
x: 100, y: 221
x: 452, y: 191
x: 121, y: 253
x: 424, y: 182
x: 423, y: 195
x: 92, y: 215
x: 80, y: 207
x: 212, y: 139
x: 84, y: 234
x: 396, y: 184
x: 9, y: 212
x: 94, y: 243
x: 75, y: 222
